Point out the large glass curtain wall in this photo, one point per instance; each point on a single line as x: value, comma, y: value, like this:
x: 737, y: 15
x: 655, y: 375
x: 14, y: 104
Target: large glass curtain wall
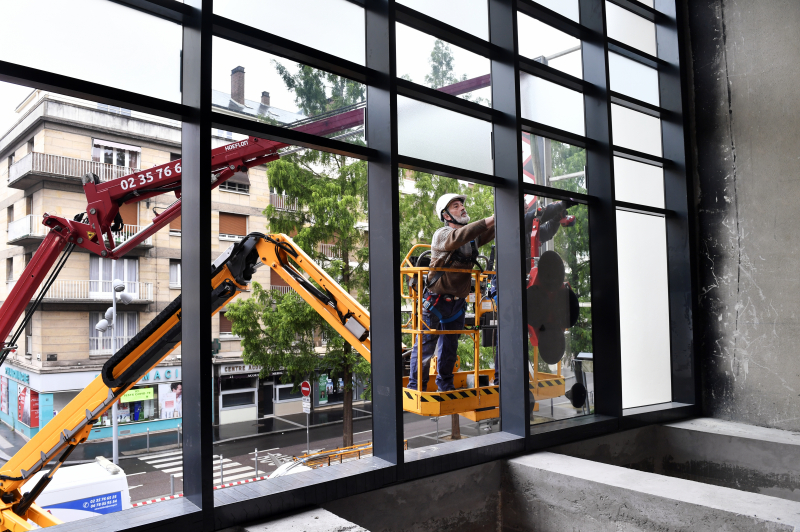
x: 573, y: 101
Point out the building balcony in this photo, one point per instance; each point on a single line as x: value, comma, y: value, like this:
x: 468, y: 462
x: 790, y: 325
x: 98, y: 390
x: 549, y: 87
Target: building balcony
x: 36, y: 167
x: 282, y: 289
x: 73, y: 291
x: 30, y: 230
x: 283, y: 203
x: 330, y: 251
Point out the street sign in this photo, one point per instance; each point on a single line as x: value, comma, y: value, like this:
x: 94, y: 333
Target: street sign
x: 305, y: 388
x: 306, y: 407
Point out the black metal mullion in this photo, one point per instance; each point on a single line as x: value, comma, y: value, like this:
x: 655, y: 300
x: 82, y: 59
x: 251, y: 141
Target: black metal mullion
x: 444, y: 100
x: 634, y: 54
x: 677, y: 199
x: 551, y: 18
x: 430, y: 167
x: 641, y: 209
x: 551, y: 74
x: 442, y: 30
x: 602, y: 215
x: 384, y: 238
x: 635, y: 104
x: 166, y: 9
x: 637, y: 8
x: 553, y: 133
x: 508, y: 200
x: 87, y: 90
x: 639, y: 156
x: 556, y: 193
x: 246, y: 126
x: 267, y: 42
x: 196, y: 258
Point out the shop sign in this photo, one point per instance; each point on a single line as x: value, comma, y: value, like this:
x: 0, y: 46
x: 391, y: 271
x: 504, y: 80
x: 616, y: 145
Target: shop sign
x: 236, y: 369
x: 28, y: 407
x: 18, y: 375
x: 162, y: 375
x: 138, y: 394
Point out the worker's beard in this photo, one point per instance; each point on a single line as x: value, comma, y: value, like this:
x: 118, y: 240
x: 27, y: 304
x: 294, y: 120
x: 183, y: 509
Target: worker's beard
x: 462, y: 219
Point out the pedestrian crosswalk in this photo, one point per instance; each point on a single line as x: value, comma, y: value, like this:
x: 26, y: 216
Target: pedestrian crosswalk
x: 225, y: 470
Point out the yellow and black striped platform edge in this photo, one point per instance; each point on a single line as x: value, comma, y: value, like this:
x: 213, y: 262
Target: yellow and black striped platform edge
x: 550, y: 382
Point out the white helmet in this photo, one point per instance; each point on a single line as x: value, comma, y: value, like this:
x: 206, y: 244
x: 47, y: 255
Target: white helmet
x: 445, y: 200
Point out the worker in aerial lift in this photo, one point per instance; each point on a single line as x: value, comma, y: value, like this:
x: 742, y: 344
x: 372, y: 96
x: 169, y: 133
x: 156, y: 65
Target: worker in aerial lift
x: 444, y: 299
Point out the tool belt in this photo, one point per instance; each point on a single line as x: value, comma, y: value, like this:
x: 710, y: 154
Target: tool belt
x: 430, y: 300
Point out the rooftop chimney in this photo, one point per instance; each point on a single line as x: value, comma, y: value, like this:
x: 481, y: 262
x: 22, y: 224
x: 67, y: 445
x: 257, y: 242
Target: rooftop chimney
x: 265, y: 98
x: 237, y: 85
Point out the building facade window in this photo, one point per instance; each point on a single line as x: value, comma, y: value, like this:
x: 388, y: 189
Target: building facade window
x: 100, y: 342
x: 239, y: 188
x: 113, y: 109
x: 232, y: 226
x: 174, y: 273
x: 225, y: 326
x: 100, y: 277
x: 104, y: 151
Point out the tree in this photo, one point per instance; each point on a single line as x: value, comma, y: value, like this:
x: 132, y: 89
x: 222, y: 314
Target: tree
x: 279, y: 331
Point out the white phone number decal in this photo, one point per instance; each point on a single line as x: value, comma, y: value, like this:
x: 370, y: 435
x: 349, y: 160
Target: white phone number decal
x: 129, y: 183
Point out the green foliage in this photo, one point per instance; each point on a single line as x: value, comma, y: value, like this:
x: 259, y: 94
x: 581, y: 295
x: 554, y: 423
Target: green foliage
x: 573, y: 243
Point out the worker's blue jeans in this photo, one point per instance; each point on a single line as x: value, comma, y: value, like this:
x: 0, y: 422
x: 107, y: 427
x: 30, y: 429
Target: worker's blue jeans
x: 445, y: 346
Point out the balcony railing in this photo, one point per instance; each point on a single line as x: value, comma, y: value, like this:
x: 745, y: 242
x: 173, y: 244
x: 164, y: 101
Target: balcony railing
x: 330, y: 251
x: 281, y: 289
x: 31, y: 226
x: 45, y: 163
x: 99, y: 346
x: 283, y: 203
x: 67, y: 289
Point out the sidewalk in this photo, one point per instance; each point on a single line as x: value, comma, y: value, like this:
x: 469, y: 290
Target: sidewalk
x: 10, y: 442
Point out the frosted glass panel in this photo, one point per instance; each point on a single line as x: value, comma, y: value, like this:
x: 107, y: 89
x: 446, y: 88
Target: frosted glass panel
x: 94, y: 40
x: 643, y: 309
x: 559, y: 50
x: 333, y: 26
x: 648, y: 3
x: 636, y: 131
x: 568, y: 8
x: 636, y: 182
x: 434, y: 134
x: 633, y: 79
x: 551, y: 104
x: 630, y: 29
x: 471, y: 16
x: 437, y: 64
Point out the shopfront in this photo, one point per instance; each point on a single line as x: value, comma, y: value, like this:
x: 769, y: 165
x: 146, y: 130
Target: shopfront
x: 237, y: 390
x: 29, y: 400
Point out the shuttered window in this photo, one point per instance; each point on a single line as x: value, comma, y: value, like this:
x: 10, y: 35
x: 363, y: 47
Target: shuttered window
x: 224, y: 324
x: 175, y: 225
x: 232, y: 224
x: 130, y: 213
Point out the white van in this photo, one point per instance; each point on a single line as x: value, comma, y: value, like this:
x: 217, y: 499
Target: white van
x: 85, y: 490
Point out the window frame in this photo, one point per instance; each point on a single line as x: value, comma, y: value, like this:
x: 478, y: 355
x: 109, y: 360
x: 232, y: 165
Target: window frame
x: 390, y: 463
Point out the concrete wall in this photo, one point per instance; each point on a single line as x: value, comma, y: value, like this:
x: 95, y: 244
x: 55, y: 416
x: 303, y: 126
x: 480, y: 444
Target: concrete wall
x: 746, y: 111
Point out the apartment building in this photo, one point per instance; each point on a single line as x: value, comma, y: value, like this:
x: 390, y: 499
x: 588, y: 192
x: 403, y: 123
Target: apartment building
x: 55, y: 141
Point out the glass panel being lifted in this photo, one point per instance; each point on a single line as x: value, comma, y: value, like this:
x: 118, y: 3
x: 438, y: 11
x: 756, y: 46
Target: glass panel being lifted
x: 559, y: 304
x: 254, y: 85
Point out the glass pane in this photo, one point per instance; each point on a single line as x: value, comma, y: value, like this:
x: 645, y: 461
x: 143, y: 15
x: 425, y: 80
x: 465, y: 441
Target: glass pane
x: 551, y: 104
x: 559, y: 305
x: 630, y: 29
x: 553, y: 164
x: 434, y: 134
x: 637, y: 182
x: 124, y: 48
x: 266, y: 88
x: 448, y: 361
x: 334, y: 26
x: 648, y: 3
x: 429, y: 61
x: 636, y: 131
x: 471, y: 16
x: 549, y: 46
x: 633, y: 79
x: 643, y: 309
x: 568, y: 8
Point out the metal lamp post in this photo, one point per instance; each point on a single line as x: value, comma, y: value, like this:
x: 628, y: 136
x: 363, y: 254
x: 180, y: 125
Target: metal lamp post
x: 110, y: 321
